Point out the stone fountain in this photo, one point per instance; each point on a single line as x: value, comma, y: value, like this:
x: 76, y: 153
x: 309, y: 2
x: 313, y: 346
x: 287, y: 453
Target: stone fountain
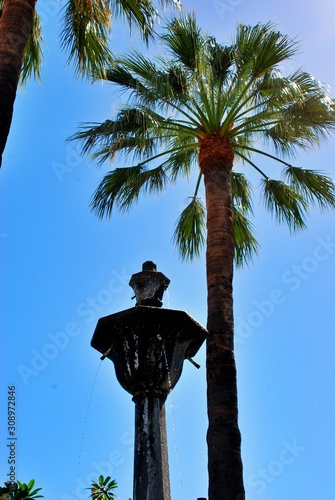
x: 148, y: 345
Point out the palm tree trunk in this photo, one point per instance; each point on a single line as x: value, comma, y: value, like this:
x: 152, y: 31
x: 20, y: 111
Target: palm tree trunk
x: 223, y: 436
x: 16, y: 24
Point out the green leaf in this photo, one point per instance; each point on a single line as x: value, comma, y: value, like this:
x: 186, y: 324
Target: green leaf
x: 122, y: 187
x: 103, y: 489
x: 26, y: 491
x: 262, y: 48
x: 245, y: 244
x: 220, y: 58
x: 312, y: 185
x: 141, y: 14
x: 33, y: 57
x: 189, y: 231
x: 304, y: 121
x: 241, y: 189
x: 86, y: 25
x: 185, y: 40
x: 285, y: 203
x: 31, y: 484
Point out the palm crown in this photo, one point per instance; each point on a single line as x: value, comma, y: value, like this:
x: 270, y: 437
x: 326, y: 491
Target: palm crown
x: 201, y: 89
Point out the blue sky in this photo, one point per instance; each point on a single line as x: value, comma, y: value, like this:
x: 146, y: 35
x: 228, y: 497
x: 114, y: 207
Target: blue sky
x: 62, y: 269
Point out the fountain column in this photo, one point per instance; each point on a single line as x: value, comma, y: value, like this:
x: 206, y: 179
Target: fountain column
x: 148, y: 345
x: 151, y: 476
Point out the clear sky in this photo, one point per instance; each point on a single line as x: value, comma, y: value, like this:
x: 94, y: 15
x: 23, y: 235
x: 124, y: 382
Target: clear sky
x: 62, y: 269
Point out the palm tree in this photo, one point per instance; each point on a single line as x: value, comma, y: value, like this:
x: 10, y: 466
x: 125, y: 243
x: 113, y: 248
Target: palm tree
x: 12, y: 47
x: 211, y: 107
x: 103, y: 489
x: 20, y: 491
x: 86, y: 27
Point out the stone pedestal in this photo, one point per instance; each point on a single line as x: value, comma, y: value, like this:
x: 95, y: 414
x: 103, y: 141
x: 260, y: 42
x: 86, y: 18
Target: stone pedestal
x: 148, y: 346
x: 151, y: 466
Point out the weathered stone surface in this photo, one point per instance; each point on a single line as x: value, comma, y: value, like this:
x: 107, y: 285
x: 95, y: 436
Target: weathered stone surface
x: 148, y: 346
x: 149, y: 285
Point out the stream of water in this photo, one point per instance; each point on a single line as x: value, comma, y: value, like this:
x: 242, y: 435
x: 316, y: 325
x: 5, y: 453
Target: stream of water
x: 83, y: 434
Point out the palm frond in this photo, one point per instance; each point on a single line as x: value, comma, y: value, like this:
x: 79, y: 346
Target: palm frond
x: 138, y: 120
x: 305, y: 113
x: 86, y: 26
x: 245, y: 244
x: 130, y: 132
x: 33, y: 56
x: 189, y: 233
x: 303, y: 124
x: 184, y: 157
x: 282, y: 90
x: 128, y: 147
x: 171, y: 84
x: 92, y: 134
x: 262, y: 48
x: 121, y: 188
x: 220, y: 58
x: 285, y: 203
x: 185, y: 40
x: 305, y: 84
x: 138, y: 64
x: 155, y: 82
x: 241, y: 190
x: 138, y: 13
x: 117, y: 73
x: 313, y: 186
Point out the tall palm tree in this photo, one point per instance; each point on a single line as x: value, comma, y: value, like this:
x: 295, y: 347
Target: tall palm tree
x: 86, y: 27
x: 210, y: 107
x: 13, y: 41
